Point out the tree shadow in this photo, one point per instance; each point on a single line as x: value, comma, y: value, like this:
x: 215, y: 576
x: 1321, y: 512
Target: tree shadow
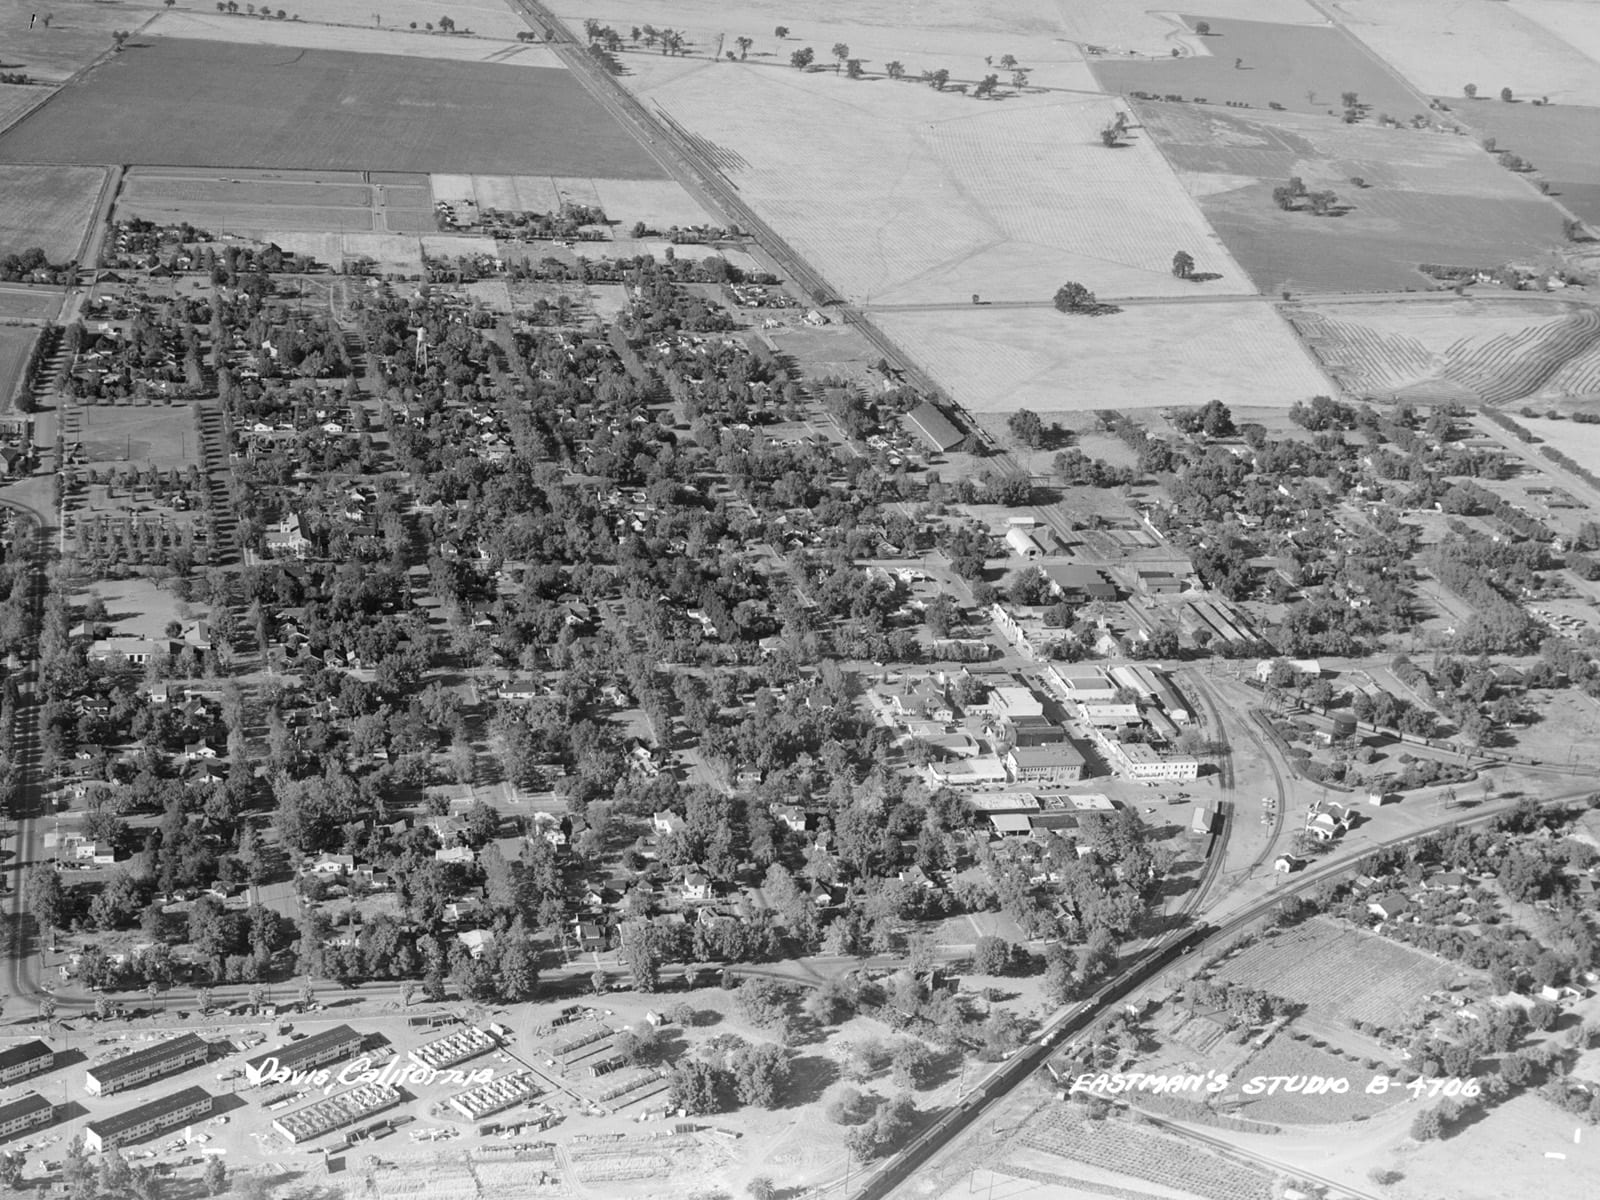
x: 810, y: 1075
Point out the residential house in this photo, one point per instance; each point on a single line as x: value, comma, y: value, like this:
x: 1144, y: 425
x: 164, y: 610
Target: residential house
x: 1389, y: 906
x: 696, y: 887
x: 476, y: 940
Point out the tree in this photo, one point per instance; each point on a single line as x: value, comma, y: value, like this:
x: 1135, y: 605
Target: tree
x: 446, y: 25
x: 840, y: 53
x: 1350, y: 99
x: 1515, y: 1069
x: 760, y: 1073
x: 781, y: 32
x: 743, y: 43
x: 11, y: 1171
x: 45, y: 897
x: 1060, y: 975
x: 987, y: 86
x: 695, y: 1087
x: 1505, y: 95
x: 801, y: 59
x: 1203, y: 28
x: 895, y: 69
x: 639, y: 943
x: 1183, y: 264
x: 911, y: 1064
x: 937, y: 79
x: 991, y: 955
x: 1073, y: 297
x: 215, y: 1177
x: 1470, y: 91
x: 852, y: 68
x: 761, y: 1188
x: 1026, y: 427
x: 1428, y: 1125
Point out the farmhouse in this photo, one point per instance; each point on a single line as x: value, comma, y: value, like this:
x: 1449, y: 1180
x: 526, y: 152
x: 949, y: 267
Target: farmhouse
x: 147, y: 1119
x: 1389, y: 906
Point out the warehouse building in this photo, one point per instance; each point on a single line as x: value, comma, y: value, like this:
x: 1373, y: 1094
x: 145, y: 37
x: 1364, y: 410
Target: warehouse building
x: 335, y: 1112
x: 307, y: 1054
x: 30, y: 1112
x: 444, y: 1053
x: 30, y: 1058
x: 495, y: 1096
x: 146, y: 1120
x: 153, y: 1062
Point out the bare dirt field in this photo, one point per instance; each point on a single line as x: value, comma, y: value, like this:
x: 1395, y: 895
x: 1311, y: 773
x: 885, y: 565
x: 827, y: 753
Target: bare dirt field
x: 401, y: 41
x: 1482, y: 350
x: 1441, y: 45
x: 48, y: 207
x: 901, y: 194
x: 272, y: 106
x: 1558, y: 139
x: 1340, y: 974
x: 1426, y: 198
x: 1304, y: 68
x: 1147, y: 356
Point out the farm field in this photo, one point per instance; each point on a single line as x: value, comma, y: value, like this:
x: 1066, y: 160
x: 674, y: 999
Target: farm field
x: 483, y: 18
x: 1339, y: 974
x: 1558, y: 139
x: 1147, y: 356
x: 1482, y: 350
x: 1304, y: 68
x: 1440, y: 45
x: 955, y: 37
x: 1426, y: 197
x: 256, y: 201
x: 48, y: 207
x: 78, y: 34
x: 394, y: 114
x: 903, y: 195
x: 1142, y: 1153
x: 15, y: 342
x: 16, y: 99
x: 400, y: 41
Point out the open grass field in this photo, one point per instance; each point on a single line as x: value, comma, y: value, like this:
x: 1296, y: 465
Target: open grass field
x: 1340, y: 974
x: 36, y: 303
x: 367, y: 39
x: 48, y: 207
x: 1482, y: 350
x: 251, y: 202
x: 1506, y: 1156
x: 15, y: 341
x: 1427, y: 197
x: 1147, y: 356
x: 1440, y: 45
x: 1304, y: 68
x: 147, y: 435
x: 1558, y: 139
x: 269, y: 106
x: 902, y: 195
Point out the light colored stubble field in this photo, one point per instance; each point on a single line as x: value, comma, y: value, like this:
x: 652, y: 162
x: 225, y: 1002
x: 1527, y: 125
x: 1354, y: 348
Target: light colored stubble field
x: 48, y: 207
x: 900, y: 194
x: 1147, y: 356
x: 485, y: 18
x: 1441, y: 45
x: 367, y: 39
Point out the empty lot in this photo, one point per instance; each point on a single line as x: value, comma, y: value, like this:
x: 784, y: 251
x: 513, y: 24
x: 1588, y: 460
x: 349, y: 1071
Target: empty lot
x: 194, y: 103
x: 256, y: 201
